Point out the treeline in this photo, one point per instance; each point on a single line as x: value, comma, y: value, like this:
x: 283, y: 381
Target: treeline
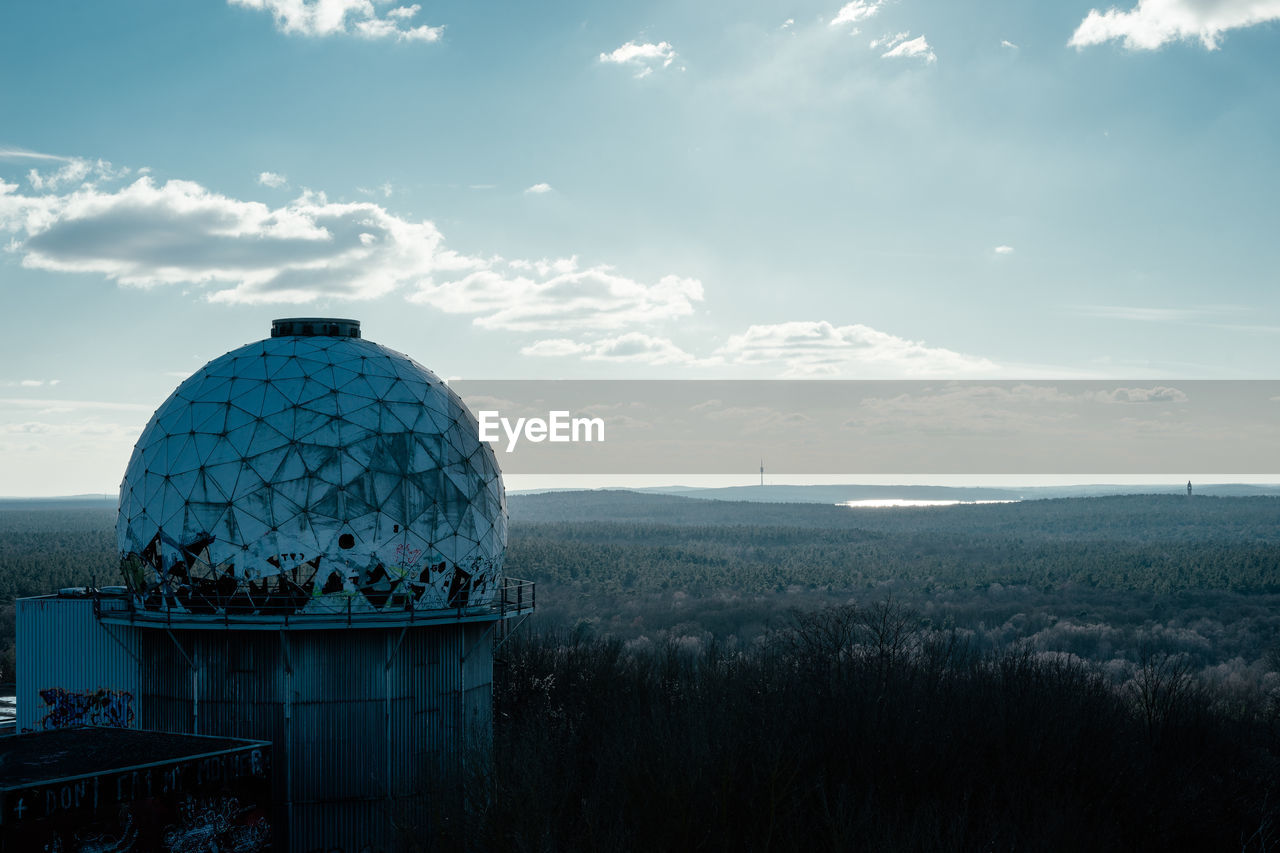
x: 45, y: 546
x: 646, y: 556
x: 44, y: 549
x: 859, y: 728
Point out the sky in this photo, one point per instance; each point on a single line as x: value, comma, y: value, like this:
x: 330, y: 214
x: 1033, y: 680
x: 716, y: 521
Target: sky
x: 745, y: 190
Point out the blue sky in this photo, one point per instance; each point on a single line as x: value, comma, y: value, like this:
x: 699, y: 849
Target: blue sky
x: 583, y: 189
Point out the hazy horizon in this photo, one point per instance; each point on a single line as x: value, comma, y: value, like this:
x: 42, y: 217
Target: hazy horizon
x: 538, y: 483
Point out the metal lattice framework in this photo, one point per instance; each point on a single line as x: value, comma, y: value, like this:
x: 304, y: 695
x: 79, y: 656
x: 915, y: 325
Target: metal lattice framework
x: 318, y: 474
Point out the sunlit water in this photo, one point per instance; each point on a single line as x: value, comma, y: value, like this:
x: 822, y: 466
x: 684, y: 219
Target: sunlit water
x: 8, y: 709
x: 888, y: 502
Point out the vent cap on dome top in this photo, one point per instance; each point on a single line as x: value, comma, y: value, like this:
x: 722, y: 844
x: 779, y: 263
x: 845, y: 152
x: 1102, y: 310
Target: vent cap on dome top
x: 315, y: 327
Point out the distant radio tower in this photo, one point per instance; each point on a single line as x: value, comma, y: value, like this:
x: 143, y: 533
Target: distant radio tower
x: 762, y: 472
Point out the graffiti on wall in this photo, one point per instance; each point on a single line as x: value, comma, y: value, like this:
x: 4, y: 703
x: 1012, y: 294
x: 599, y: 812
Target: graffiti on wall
x: 216, y: 823
x: 213, y: 803
x: 101, y: 707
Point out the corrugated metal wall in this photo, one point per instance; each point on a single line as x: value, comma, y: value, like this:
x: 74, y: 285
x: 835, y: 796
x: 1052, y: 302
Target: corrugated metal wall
x: 370, y: 726
x: 86, y: 671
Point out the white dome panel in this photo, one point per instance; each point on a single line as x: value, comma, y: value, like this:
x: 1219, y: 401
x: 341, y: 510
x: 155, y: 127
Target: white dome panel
x: 311, y: 474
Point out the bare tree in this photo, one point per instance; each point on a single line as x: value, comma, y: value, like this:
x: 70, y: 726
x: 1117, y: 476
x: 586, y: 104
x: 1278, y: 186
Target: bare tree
x: 1162, y: 686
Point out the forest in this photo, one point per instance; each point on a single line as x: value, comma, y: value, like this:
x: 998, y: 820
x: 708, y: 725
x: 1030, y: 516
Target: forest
x: 1096, y: 673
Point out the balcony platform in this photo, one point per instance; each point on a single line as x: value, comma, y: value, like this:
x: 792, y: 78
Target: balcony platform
x: 515, y: 599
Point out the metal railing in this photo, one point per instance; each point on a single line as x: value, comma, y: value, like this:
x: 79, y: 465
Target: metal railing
x: 514, y: 598
x: 517, y: 595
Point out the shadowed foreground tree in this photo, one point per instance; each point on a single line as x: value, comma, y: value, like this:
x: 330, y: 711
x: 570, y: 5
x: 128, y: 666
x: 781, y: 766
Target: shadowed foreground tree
x: 858, y: 729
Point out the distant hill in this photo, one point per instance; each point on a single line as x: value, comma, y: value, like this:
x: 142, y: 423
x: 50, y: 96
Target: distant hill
x: 1166, y: 518
x: 64, y: 502
x: 855, y: 492
x: 839, y: 494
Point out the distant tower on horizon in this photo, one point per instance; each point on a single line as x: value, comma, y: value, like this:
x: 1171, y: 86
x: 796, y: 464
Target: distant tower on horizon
x: 1188, y: 488
x: 762, y: 472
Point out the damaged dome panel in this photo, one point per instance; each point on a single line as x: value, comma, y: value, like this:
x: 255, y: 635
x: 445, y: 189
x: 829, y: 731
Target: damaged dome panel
x: 312, y: 472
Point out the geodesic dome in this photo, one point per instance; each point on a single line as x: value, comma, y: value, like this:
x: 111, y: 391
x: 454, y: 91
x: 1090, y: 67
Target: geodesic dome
x: 311, y: 472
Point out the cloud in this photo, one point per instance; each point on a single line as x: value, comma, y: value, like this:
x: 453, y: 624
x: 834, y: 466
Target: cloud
x: 148, y: 234
x: 545, y: 267
x: 822, y: 349
x: 74, y: 170
x: 24, y: 154
x: 1008, y: 44
x: 538, y: 189
x: 1155, y: 394
x: 1038, y: 408
x: 555, y: 348
x: 72, y: 405
x: 902, y: 47
x: 344, y: 17
x: 855, y: 12
x: 788, y: 23
x: 629, y: 347
x: 889, y: 41
x: 272, y: 179
x: 1157, y: 315
x: 964, y: 410
x: 643, y: 57
x: 1003, y: 250
x: 1153, y: 23
x: 386, y: 189
x: 560, y: 296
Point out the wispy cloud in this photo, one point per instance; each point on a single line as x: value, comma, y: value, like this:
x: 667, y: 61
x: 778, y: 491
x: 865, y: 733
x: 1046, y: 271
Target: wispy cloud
x: 148, y: 234
x: 30, y: 383
x: 386, y: 190
x: 555, y: 348
x: 1154, y: 394
x: 1008, y: 44
x: 560, y: 296
x: 1003, y: 250
x: 538, y: 189
x: 272, y: 179
x: 644, y: 57
x: 1148, y: 314
x: 854, y: 13
x: 48, y: 405
x: 75, y: 170
x: 980, y: 408
x: 345, y: 17
x: 901, y: 46
x: 634, y: 347
x: 1154, y: 23
x: 809, y: 348
x: 24, y: 154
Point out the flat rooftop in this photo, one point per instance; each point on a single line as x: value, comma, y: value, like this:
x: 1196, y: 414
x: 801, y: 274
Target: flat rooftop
x: 41, y: 757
